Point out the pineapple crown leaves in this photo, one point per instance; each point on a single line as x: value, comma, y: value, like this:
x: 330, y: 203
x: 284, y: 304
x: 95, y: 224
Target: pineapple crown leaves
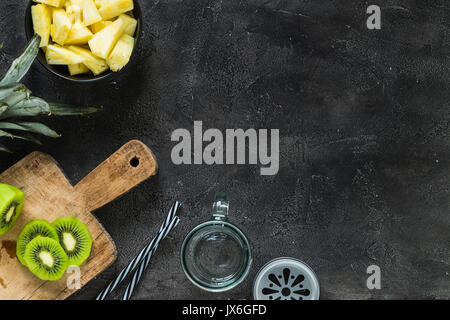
x: 16, y: 102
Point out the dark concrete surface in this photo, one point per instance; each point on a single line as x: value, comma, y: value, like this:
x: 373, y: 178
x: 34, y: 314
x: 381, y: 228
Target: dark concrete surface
x: 364, y: 130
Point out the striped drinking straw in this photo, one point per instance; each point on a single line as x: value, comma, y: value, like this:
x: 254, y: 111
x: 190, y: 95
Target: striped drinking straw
x: 146, y: 261
x: 166, y: 227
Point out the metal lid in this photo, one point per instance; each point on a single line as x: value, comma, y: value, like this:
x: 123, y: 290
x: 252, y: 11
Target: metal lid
x: 286, y: 279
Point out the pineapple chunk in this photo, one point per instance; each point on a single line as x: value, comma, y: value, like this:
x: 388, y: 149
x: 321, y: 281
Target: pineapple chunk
x: 95, y: 64
x: 78, y: 3
x: 129, y: 24
x: 79, y: 35
x: 73, y: 3
x: 42, y: 19
x: 90, y: 13
x: 113, y: 8
x: 99, y: 3
x: 53, y: 3
x: 59, y: 55
x: 121, y: 54
x: 61, y: 26
x: 78, y: 68
x: 74, y: 13
x: 99, y: 26
x: 104, y: 41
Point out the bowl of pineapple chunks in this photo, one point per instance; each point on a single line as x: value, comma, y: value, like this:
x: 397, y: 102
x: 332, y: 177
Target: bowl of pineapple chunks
x: 84, y: 40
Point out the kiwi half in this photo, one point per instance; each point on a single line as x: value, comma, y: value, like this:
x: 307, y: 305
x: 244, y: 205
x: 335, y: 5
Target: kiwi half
x: 32, y: 230
x: 11, y: 205
x: 45, y: 258
x: 74, y: 238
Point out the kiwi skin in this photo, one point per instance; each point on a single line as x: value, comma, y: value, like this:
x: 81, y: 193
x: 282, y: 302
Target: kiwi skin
x: 35, y: 264
x: 10, y: 196
x: 32, y: 230
x: 70, y: 228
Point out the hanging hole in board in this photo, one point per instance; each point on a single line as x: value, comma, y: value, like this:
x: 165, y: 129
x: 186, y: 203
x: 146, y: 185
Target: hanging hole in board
x: 134, y: 162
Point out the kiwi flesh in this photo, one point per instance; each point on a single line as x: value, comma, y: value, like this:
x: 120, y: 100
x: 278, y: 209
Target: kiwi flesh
x: 46, y: 259
x: 74, y: 238
x: 11, y: 205
x: 32, y: 230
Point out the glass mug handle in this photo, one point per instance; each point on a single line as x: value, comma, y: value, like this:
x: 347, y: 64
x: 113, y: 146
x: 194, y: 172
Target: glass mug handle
x: 220, y: 207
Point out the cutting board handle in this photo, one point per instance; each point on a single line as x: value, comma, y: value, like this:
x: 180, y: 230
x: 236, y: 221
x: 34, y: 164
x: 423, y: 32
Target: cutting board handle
x: 126, y: 168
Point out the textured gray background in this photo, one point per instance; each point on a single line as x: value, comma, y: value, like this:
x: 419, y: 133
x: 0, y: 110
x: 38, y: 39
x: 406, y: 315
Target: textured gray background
x: 364, y: 131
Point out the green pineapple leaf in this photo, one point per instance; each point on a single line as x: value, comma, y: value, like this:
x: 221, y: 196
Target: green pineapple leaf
x: 6, y: 134
x: 26, y: 137
x: 31, y: 107
x: 16, y: 102
x: 22, y: 64
x: 9, y: 91
x: 13, y: 93
x: 4, y: 149
x: 34, y: 127
x: 3, y: 108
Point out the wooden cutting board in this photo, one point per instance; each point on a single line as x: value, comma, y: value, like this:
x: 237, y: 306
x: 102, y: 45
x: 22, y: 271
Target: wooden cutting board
x: 49, y: 195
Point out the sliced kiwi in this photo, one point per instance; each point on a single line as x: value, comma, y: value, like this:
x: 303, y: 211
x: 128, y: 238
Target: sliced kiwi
x: 11, y: 204
x: 32, y: 230
x: 75, y: 239
x: 45, y: 258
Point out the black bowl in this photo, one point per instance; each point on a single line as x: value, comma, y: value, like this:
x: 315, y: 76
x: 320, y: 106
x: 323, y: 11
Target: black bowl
x: 61, y: 70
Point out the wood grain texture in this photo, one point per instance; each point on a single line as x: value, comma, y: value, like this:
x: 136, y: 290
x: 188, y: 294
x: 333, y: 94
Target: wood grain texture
x: 126, y: 168
x: 49, y: 195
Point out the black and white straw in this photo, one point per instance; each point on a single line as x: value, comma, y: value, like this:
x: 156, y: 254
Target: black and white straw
x: 146, y: 261
x: 166, y: 227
